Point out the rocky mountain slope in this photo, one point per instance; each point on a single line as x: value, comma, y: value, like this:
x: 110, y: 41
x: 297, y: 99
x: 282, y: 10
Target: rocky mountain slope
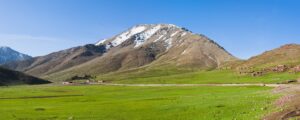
x: 8, y: 77
x: 165, y: 44
x: 151, y: 46
x: 9, y: 55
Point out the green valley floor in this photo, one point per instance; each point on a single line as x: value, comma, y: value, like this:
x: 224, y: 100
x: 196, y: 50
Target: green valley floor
x: 96, y: 102
x: 196, y: 77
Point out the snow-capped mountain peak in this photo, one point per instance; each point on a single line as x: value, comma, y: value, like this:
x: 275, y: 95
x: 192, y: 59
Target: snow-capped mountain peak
x: 128, y: 34
x: 9, y: 55
x: 146, y: 46
x: 145, y: 33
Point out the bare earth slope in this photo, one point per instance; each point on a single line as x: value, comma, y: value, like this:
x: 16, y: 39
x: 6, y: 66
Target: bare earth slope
x: 288, y: 54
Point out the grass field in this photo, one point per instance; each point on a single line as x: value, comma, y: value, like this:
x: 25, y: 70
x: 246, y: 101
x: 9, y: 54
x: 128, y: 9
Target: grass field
x: 134, y: 103
x: 198, y: 77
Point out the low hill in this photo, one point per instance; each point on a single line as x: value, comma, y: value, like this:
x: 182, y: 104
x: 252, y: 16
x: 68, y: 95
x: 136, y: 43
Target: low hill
x: 285, y: 55
x: 8, y: 77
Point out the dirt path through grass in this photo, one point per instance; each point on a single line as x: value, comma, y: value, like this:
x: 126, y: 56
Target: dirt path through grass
x: 186, y: 85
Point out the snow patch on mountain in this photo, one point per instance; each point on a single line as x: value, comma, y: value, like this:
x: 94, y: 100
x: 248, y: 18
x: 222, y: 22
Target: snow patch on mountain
x: 168, y: 43
x: 184, y: 52
x: 100, y: 42
x: 140, y: 34
x: 183, y: 34
x: 128, y: 34
x: 174, y: 34
x: 108, y: 46
x: 144, y: 36
x: 161, y: 36
x: 172, y: 25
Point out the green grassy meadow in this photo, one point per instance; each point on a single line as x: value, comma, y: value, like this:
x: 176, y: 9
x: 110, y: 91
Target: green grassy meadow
x: 134, y: 103
x: 196, y: 77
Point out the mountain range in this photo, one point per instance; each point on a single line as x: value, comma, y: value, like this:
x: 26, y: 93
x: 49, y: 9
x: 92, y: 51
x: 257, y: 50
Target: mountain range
x: 152, y: 45
x: 144, y: 48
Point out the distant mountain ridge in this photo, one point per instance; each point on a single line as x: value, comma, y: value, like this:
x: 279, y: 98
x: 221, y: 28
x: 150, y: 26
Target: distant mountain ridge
x: 57, y: 61
x: 9, y: 55
x: 147, y: 45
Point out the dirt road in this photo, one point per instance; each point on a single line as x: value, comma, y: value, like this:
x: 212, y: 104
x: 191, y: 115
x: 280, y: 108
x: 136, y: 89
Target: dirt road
x: 186, y: 85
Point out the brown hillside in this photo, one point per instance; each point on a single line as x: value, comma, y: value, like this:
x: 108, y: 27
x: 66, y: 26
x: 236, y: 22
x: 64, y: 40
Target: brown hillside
x: 285, y: 55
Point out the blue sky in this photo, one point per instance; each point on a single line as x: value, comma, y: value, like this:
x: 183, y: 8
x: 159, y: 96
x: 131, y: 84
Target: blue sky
x: 243, y: 27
